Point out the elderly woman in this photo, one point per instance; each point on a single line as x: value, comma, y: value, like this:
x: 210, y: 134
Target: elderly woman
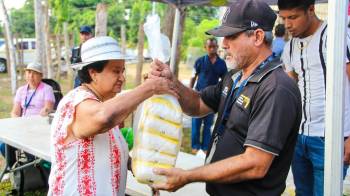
x: 35, y: 97
x: 89, y: 154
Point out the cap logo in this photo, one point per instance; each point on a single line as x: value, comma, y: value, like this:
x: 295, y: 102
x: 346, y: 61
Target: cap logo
x: 224, y: 18
x: 253, y: 24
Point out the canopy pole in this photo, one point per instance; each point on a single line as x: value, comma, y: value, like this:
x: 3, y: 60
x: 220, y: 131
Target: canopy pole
x: 175, y: 40
x: 336, y: 48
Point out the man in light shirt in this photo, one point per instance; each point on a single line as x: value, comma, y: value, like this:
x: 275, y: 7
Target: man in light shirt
x: 304, y: 57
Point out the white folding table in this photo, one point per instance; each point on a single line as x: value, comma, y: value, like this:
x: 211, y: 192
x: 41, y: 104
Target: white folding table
x: 32, y: 135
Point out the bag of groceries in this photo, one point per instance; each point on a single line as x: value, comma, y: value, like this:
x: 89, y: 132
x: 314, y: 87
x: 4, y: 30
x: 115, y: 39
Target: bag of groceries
x: 158, y: 138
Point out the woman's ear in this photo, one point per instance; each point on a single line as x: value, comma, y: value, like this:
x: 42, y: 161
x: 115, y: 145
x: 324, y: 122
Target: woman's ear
x: 92, y: 74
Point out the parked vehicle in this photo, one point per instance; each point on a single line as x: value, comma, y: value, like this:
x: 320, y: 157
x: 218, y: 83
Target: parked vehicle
x: 25, y: 56
x: 3, y: 68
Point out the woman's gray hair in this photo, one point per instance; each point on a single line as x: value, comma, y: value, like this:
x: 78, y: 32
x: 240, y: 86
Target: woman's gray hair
x: 267, y: 39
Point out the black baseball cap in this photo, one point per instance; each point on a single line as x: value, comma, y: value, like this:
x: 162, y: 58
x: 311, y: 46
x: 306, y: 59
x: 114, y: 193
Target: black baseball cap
x: 245, y: 15
x: 85, y: 29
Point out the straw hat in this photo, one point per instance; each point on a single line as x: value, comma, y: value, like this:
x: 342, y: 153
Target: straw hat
x: 35, y: 67
x: 99, y: 49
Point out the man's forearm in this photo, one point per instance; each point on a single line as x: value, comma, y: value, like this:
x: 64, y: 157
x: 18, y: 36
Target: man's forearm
x: 189, y: 99
x: 230, y: 170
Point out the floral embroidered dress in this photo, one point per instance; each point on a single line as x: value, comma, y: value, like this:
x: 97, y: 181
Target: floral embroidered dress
x: 93, y: 166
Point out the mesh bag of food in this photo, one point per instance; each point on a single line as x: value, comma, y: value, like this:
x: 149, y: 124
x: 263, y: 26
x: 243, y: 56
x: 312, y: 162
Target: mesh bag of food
x: 158, y: 138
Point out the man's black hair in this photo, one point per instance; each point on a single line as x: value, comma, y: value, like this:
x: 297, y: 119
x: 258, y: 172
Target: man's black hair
x: 291, y: 4
x: 280, y: 30
x: 211, y: 39
x: 84, y: 75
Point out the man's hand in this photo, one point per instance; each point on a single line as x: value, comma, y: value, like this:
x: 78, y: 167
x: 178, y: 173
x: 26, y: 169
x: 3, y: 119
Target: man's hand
x: 347, y: 151
x: 176, y: 178
x: 160, y: 69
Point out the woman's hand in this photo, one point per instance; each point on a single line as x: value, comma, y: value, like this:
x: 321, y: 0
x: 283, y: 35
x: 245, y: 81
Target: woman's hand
x: 161, y: 85
x: 44, y: 112
x: 48, y: 107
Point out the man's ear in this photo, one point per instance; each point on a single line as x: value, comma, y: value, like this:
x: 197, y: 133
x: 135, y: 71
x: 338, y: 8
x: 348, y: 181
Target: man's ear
x: 259, y: 36
x: 311, y: 9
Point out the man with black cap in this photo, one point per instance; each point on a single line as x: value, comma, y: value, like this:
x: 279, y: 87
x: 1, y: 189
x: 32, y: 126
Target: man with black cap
x: 85, y: 34
x: 259, y: 111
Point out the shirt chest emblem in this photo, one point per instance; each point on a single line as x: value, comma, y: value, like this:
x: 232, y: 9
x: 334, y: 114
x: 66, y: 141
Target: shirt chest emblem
x: 243, y: 101
x: 225, y: 91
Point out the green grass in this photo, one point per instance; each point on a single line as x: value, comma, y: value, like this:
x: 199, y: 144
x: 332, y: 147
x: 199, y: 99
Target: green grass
x: 5, y: 188
x: 5, y: 96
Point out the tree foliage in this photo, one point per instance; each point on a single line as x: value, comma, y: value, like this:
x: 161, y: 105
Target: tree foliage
x: 138, y: 14
x: 22, y: 20
x: 129, y: 12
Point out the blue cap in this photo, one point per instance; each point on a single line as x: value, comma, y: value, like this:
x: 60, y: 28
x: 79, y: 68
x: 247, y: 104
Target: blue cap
x: 85, y: 29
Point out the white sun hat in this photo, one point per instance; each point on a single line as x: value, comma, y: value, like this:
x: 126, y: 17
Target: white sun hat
x: 99, y: 49
x: 35, y: 67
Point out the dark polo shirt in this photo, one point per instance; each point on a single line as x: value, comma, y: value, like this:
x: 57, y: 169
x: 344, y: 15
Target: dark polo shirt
x: 266, y: 115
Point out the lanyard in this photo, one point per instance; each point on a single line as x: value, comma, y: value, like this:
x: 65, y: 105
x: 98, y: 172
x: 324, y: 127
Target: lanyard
x: 26, y: 104
x: 234, y: 94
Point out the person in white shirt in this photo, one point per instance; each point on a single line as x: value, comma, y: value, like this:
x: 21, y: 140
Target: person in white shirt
x: 304, y: 57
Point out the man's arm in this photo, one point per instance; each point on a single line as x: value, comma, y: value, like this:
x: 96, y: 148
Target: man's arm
x: 190, y: 101
x: 253, y: 164
x: 348, y: 70
x: 293, y: 75
x: 347, y: 141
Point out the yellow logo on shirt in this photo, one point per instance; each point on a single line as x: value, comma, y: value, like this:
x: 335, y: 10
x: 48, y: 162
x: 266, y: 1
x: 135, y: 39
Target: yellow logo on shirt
x: 243, y: 101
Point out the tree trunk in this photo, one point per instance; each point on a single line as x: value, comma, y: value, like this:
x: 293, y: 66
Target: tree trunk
x: 19, y: 55
x: 168, y: 23
x: 8, y: 67
x: 40, y: 54
x: 140, y: 46
x: 12, y: 49
x: 19, y: 50
x: 123, y: 38
x: 101, y: 20
x: 58, y: 57
x: 47, y: 39
x: 123, y: 46
x: 67, y: 54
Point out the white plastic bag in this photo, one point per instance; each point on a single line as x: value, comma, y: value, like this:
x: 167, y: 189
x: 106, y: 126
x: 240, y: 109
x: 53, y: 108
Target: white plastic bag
x: 159, y: 44
x: 158, y: 138
x: 159, y: 133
